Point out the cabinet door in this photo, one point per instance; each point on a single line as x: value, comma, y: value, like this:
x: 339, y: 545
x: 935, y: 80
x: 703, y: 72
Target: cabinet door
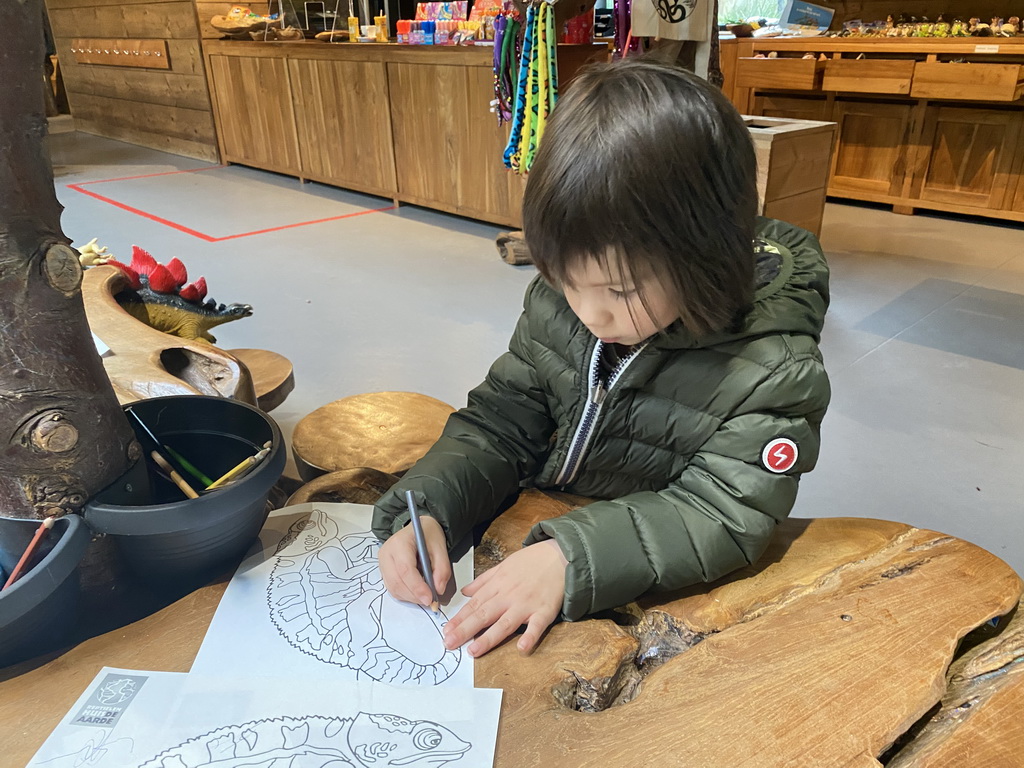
x: 794, y: 108
x: 344, y: 123
x: 448, y: 146
x: 970, y: 155
x: 253, y: 107
x: 871, y: 147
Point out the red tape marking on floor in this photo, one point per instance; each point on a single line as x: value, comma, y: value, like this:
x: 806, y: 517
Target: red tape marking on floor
x: 193, y: 232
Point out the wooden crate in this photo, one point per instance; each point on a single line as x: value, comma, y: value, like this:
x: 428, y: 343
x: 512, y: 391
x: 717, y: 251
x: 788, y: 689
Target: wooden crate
x: 793, y: 160
x: 967, y: 82
x: 779, y: 74
x: 868, y: 76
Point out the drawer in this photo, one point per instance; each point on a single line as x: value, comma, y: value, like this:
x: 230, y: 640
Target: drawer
x: 967, y: 82
x: 868, y: 76
x: 779, y: 74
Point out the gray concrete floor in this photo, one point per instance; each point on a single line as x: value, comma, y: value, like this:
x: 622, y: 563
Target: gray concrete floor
x: 924, y: 340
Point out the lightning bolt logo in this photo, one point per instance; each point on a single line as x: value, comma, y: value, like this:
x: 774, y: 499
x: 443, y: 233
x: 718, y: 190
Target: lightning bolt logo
x: 779, y: 455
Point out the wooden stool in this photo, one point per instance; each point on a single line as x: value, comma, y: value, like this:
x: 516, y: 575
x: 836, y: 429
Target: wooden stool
x: 272, y: 375
x: 387, y: 431
x: 361, y: 485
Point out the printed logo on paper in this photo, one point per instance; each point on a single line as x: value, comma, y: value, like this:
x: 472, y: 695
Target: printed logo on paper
x: 779, y: 455
x: 109, y: 700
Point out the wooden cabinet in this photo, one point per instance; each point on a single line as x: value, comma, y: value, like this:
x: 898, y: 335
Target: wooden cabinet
x: 970, y: 155
x: 921, y: 122
x: 794, y: 74
x: 344, y: 123
x: 868, y: 76
x: 871, y: 147
x: 793, y: 107
x: 411, y: 123
x: 977, y: 81
x: 253, y: 109
x: 445, y: 157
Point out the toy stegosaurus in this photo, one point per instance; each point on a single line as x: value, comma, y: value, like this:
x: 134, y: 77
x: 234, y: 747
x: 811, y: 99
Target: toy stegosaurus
x: 161, y: 296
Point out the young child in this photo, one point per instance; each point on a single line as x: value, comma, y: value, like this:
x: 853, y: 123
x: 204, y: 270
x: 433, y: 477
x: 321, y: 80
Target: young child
x: 666, y: 364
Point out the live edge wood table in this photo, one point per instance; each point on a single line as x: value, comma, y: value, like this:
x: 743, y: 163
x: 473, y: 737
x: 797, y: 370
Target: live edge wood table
x: 852, y: 643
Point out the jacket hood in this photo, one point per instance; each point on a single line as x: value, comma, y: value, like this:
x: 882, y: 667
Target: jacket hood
x: 793, y: 301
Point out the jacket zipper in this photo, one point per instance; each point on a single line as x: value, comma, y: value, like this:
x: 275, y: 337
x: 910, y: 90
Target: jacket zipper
x: 596, y: 391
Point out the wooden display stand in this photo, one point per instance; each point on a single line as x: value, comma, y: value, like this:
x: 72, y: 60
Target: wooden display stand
x: 921, y: 123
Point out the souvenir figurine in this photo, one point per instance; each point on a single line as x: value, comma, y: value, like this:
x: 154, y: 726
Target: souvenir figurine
x: 972, y: 26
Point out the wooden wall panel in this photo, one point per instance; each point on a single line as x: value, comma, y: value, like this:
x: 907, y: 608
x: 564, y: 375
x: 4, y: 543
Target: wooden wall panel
x: 157, y: 20
x: 166, y: 109
x: 171, y: 129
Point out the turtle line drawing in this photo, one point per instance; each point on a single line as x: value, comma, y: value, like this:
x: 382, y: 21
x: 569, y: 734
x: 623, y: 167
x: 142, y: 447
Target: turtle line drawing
x: 316, y: 741
x: 327, y: 599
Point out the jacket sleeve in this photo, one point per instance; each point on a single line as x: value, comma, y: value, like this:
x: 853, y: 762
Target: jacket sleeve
x: 485, y: 450
x: 719, y: 514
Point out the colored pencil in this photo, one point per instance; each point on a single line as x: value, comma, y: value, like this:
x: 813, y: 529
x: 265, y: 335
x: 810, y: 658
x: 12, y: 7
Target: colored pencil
x: 172, y: 457
x: 30, y: 550
x: 421, y: 548
x: 239, y: 469
x: 177, y: 479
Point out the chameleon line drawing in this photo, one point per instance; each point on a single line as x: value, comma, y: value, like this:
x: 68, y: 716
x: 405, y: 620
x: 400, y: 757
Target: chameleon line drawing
x: 327, y: 598
x: 365, y: 741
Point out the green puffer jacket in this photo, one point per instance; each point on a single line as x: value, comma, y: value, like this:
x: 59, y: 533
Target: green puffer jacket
x: 684, y: 443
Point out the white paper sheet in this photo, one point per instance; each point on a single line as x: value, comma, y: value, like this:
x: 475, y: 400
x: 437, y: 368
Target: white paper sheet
x: 129, y: 719
x: 311, y: 602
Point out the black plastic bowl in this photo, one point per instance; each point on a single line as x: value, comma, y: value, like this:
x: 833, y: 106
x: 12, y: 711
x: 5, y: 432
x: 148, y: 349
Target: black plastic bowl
x: 40, y: 607
x: 167, y: 538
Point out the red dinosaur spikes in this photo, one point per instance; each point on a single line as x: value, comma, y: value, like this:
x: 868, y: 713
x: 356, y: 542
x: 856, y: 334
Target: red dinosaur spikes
x: 131, y: 274
x: 142, y: 261
x: 177, y: 270
x: 194, y: 292
x: 169, y: 278
x: 162, y: 281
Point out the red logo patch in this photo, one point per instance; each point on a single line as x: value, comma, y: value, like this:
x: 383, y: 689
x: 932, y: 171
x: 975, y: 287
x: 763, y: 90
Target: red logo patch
x: 779, y: 455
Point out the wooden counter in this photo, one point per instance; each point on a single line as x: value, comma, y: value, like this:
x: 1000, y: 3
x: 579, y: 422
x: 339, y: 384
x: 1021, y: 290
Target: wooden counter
x: 921, y: 123
x: 411, y: 123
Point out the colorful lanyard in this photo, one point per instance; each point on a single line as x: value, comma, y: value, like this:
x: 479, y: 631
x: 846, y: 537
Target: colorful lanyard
x: 506, y: 34
x: 536, y: 87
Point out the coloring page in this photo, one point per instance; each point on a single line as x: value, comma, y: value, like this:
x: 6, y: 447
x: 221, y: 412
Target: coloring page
x: 133, y: 719
x: 310, y: 600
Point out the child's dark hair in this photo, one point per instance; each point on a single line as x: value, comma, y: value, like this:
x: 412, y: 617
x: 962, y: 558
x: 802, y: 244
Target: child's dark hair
x: 649, y: 161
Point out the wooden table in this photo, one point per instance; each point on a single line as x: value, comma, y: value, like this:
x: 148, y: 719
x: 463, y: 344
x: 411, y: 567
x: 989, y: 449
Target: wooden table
x: 823, y: 654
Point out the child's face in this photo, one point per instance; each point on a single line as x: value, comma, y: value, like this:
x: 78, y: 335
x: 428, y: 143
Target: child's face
x: 611, y: 309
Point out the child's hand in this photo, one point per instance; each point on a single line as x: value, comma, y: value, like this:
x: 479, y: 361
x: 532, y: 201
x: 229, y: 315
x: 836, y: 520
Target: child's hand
x: 397, y: 560
x: 525, y: 588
